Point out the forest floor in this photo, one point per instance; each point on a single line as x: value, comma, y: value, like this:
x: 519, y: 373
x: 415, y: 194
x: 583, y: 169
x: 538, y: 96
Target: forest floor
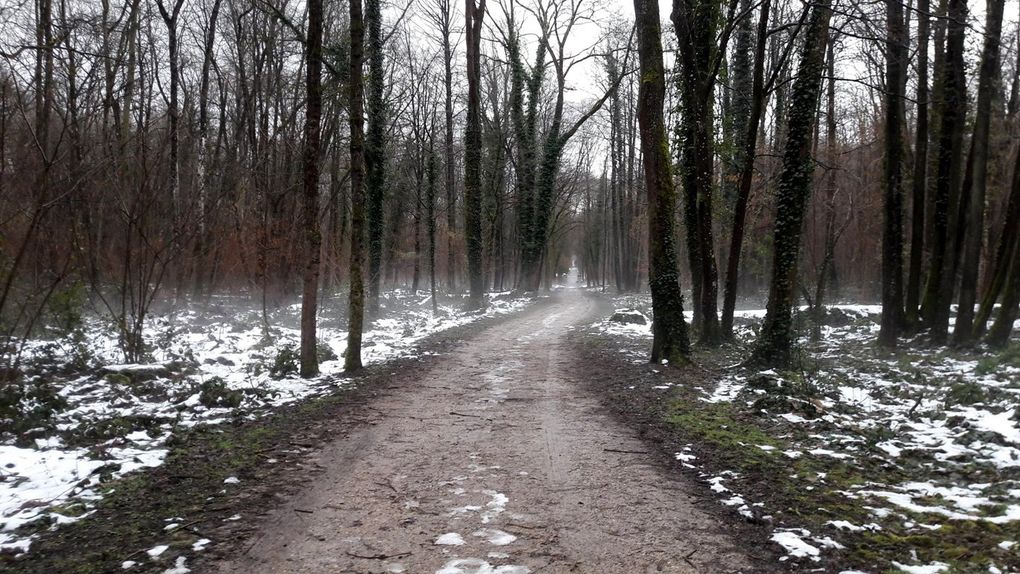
x: 861, y: 460
x: 542, y: 441
x: 81, y: 418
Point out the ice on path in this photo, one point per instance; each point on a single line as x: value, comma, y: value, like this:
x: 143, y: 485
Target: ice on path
x: 478, y: 566
x: 450, y: 539
x: 495, y: 537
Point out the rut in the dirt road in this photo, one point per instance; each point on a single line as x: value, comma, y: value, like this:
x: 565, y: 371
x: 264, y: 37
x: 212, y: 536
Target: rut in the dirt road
x: 496, y: 462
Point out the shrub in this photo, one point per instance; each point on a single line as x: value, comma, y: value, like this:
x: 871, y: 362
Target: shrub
x: 215, y: 393
x: 285, y: 364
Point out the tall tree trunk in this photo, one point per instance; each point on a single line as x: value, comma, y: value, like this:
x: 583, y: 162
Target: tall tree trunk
x: 473, y: 16
x: 356, y: 315
x: 451, y: 183
x: 987, y: 84
x: 746, y: 159
x: 999, y: 269
x: 695, y: 25
x: 939, y: 287
x: 202, y: 241
x: 669, y: 330
x: 1003, y: 255
x: 430, y: 211
x: 739, y: 105
x: 998, y: 335
x: 524, y: 135
x: 817, y: 307
x: 920, y: 184
x: 775, y: 342
x: 375, y: 160
x: 310, y: 190
x: 44, y: 76
x: 892, y: 229
x: 416, y: 277
x: 170, y: 19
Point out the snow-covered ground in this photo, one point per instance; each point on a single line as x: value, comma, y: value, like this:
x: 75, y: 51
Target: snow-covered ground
x: 207, y: 365
x: 943, y: 425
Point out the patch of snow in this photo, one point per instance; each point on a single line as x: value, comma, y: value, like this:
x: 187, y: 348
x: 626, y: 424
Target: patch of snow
x: 494, y: 507
x: 1002, y: 423
x: 933, y: 568
x: 179, y: 567
x: 35, y: 480
x: 795, y: 545
x: 685, y: 457
x: 495, y: 537
x: 478, y: 566
x: 157, y: 550
x: 450, y: 539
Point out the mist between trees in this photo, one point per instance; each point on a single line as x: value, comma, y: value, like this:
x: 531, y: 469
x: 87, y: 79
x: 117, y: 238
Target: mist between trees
x: 158, y: 150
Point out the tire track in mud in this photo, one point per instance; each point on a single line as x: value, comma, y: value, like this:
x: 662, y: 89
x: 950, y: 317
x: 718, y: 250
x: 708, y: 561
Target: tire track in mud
x: 496, y: 462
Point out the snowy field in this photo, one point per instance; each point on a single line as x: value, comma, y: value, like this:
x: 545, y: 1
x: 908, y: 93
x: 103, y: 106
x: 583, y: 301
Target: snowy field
x: 95, y: 418
x: 933, y: 433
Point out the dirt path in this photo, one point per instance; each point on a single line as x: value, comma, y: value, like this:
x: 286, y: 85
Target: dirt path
x: 497, y: 462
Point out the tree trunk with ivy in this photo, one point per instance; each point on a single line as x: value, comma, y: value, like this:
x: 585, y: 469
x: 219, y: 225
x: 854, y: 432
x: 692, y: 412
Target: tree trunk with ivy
x: 473, y: 16
x: 310, y: 190
x: 669, y: 330
x: 746, y: 159
x: 774, y: 346
x: 356, y: 315
x: 695, y: 25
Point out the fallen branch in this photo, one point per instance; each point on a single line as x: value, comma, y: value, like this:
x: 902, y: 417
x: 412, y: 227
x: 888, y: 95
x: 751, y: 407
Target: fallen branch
x: 467, y: 415
x: 625, y: 451
x: 377, y: 556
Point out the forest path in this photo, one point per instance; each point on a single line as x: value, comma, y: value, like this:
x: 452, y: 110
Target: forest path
x: 496, y: 461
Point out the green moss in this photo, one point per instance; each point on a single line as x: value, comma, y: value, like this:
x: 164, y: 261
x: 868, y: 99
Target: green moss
x: 72, y: 509
x: 716, y: 424
x: 965, y: 545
